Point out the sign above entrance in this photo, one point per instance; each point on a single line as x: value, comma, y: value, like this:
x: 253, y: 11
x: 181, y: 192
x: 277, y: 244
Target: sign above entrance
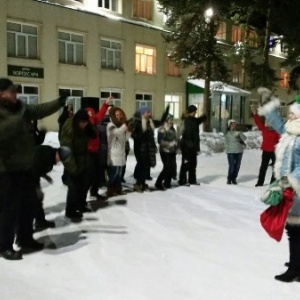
x: 28, y: 72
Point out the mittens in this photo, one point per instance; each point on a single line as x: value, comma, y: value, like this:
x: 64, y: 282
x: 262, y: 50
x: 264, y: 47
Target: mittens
x: 63, y: 97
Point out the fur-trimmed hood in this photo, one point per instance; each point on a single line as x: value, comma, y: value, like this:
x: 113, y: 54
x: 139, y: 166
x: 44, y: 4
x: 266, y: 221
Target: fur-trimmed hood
x: 112, y: 115
x: 269, y: 107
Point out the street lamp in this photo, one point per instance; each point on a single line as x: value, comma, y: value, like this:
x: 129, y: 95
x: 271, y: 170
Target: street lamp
x: 208, y: 14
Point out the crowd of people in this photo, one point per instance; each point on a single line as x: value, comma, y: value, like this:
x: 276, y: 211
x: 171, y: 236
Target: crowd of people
x: 94, y: 147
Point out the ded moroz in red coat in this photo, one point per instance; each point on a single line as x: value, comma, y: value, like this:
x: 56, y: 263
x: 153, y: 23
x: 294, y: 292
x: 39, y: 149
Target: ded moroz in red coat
x: 270, y: 137
x: 95, y: 119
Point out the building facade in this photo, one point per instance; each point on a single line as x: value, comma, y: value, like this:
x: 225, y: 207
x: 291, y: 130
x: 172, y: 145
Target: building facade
x: 95, y: 48
x: 91, y: 48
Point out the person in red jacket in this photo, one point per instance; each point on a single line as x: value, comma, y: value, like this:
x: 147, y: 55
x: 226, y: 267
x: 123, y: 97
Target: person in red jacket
x: 270, y: 138
x: 93, y: 147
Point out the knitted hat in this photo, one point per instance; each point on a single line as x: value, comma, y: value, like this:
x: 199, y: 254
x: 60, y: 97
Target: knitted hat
x: 230, y: 122
x: 295, y: 107
x: 6, y: 84
x: 144, y: 109
x: 64, y: 153
x: 192, y: 108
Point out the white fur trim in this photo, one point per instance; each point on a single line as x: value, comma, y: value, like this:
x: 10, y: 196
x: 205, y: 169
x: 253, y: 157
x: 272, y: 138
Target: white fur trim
x: 293, y: 220
x: 264, y: 92
x: 268, y: 107
x: 295, y: 109
x: 285, y: 143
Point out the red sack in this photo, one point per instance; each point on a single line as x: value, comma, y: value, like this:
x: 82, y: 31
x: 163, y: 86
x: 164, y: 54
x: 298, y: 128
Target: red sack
x: 273, y: 218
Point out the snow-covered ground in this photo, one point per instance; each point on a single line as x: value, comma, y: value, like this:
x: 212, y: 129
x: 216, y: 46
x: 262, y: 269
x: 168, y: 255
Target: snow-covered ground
x: 188, y: 243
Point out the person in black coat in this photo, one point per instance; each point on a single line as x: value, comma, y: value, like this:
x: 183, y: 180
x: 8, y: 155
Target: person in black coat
x: 144, y: 145
x: 190, y: 146
x: 45, y: 157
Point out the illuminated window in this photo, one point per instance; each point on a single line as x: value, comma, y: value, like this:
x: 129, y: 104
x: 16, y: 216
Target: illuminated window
x: 236, y: 73
x: 70, y: 48
x: 145, y: 59
x: 252, y: 38
x: 221, y: 33
x: 284, y: 79
x: 236, y: 34
x: 171, y: 68
x: 143, y: 9
x: 22, y: 40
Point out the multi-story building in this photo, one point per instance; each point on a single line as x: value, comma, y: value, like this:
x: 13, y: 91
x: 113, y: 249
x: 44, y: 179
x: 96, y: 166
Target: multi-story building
x: 97, y: 48
x: 92, y: 48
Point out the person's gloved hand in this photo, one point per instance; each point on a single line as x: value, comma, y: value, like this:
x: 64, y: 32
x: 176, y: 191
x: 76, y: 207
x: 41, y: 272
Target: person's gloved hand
x: 63, y: 97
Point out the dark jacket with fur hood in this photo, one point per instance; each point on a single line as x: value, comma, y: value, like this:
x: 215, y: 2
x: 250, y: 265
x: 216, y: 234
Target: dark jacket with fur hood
x: 77, y: 140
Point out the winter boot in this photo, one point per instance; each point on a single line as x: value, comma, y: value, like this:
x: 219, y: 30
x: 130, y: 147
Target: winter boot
x: 43, y: 224
x: 12, y: 254
x: 293, y: 271
x: 158, y: 184
x: 292, y: 274
x: 119, y: 190
x: 138, y: 188
x: 31, y: 245
x: 159, y: 187
x: 111, y: 191
x: 146, y: 187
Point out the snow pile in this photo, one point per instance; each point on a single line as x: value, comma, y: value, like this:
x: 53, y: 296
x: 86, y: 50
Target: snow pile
x: 211, y: 142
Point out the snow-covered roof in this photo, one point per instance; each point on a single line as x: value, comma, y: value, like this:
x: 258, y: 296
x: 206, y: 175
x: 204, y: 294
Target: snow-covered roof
x: 220, y: 86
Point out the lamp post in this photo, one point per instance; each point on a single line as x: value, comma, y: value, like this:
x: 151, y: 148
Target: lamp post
x: 208, y: 14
